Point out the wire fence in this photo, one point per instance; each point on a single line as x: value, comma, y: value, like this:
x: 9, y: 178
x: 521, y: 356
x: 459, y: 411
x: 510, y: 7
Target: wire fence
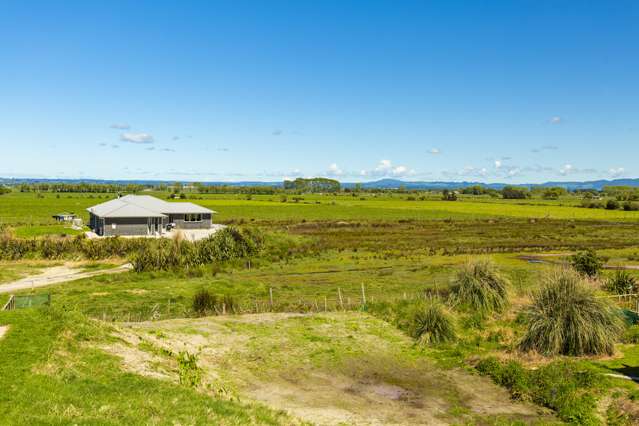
x: 341, y: 301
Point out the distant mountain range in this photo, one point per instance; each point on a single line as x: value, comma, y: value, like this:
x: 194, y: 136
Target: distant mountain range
x: 379, y: 184
x: 395, y: 183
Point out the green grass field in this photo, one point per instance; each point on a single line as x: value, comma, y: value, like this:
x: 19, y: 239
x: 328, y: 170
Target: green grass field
x: 396, y: 249
x: 29, y: 209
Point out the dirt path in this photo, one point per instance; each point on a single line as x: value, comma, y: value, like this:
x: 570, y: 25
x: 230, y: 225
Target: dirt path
x: 57, y: 275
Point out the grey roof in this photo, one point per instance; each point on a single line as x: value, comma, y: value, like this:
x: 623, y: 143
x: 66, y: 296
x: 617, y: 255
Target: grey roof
x: 144, y: 206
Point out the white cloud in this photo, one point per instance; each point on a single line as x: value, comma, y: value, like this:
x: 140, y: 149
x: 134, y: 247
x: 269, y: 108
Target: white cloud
x: 386, y: 168
x: 139, y: 138
x: 120, y: 126
x: 556, y: 120
x: 434, y: 151
x: 617, y: 172
x: 383, y: 166
x: 545, y: 148
x: 566, y: 169
x: 497, y: 164
x: 466, y: 172
x: 334, y: 170
x: 513, y: 172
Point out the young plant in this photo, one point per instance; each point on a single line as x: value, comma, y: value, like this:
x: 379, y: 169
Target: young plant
x: 566, y: 318
x: 190, y: 373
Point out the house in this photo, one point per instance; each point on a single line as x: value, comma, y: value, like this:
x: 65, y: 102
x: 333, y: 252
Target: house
x: 64, y: 217
x: 140, y: 215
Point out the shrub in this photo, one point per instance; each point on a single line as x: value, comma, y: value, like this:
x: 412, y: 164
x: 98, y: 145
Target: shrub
x: 514, y: 193
x: 480, y: 286
x: 630, y: 206
x: 612, y: 204
x: 621, y: 283
x: 510, y: 375
x: 566, y: 318
x: 432, y: 324
x: 204, y: 302
x: 567, y: 387
x: 587, y: 263
x: 449, y: 195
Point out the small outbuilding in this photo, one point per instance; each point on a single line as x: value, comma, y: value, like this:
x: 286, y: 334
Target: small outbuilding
x: 65, y: 217
x: 140, y: 215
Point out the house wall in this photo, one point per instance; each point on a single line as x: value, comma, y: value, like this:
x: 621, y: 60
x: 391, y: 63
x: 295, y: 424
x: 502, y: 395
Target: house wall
x: 180, y: 223
x: 126, y: 226
x: 95, y: 223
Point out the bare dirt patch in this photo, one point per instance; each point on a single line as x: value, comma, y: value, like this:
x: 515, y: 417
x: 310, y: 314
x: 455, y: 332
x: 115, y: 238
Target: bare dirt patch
x: 338, y: 368
x: 3, y: 330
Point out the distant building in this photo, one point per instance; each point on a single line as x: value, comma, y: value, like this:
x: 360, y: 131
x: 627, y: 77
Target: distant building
x: 146, y: 215
x: 64, y: 217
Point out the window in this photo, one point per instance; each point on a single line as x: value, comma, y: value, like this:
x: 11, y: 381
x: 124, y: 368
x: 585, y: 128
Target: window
x: 193, y: 217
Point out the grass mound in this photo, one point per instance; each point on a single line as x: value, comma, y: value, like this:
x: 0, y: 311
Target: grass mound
x: 480, y: 286
x: 566, y: 318
x: 432, y: 324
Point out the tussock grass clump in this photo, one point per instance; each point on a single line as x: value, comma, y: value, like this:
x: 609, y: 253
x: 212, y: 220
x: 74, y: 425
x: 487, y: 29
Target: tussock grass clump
x: 480, y: 286
x: 566, y: 318
x: 431, y: 323
x: 206, y: 302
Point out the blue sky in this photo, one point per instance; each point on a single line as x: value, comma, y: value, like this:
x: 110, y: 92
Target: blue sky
x: 512, y: 91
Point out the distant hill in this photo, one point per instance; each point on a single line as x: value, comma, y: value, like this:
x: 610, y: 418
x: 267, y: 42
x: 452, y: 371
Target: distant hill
x: 396, y: 183
x: 380, y: 184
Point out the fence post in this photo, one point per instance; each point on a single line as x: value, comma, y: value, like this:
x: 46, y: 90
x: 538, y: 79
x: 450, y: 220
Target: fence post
x: 270, y: 294
x: 339, y: 294
x: 325, y: 304
x: 363, y: 295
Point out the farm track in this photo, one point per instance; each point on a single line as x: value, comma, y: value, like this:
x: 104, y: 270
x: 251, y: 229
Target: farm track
x: 57, y: 275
